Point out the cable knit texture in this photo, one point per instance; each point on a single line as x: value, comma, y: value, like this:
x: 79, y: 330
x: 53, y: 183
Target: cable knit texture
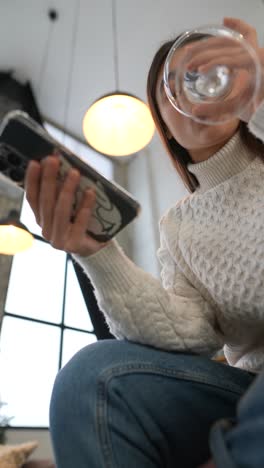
x: 212, y: 258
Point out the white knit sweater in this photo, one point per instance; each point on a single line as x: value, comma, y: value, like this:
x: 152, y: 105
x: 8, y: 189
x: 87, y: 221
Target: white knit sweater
x: 212, y: 257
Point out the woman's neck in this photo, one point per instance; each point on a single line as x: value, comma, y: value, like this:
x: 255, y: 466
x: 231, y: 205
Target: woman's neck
x: 202, y: 154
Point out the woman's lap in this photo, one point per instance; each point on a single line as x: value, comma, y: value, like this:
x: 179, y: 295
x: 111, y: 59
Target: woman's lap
x: 123, y: 404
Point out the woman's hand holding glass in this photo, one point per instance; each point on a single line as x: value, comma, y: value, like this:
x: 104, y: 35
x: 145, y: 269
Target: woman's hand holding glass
x: 239, y: 62
x: 52, y: 203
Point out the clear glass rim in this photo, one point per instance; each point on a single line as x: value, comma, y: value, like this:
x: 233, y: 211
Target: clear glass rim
x: 213, y: 30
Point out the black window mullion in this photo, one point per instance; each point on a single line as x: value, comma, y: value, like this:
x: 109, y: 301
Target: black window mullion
x: 63, y: 310
x: 100, y: 326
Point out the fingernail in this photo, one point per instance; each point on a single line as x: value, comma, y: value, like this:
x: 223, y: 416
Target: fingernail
x: 74, y: 172
x: 32, y: 162
x: 89, y: 191
x: 46, y: 159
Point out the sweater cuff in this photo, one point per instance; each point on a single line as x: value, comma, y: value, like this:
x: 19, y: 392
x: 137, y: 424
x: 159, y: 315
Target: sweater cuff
x: 256, y: 123
x: 109, y: 268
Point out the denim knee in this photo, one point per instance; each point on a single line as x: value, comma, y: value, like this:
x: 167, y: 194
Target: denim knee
x: 239, y: 443
x: 77, y: 375
x: 75, y: 384
x: 73, y: 424
x: 111, y: 382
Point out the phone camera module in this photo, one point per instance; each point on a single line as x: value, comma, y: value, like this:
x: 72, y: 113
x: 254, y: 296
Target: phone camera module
x: 17, y: 175
x: 3, y: 164
x: 14, y: 159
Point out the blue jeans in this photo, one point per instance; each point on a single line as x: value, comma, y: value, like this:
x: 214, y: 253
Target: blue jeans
x: 239, y: 443
x: 118, y: 404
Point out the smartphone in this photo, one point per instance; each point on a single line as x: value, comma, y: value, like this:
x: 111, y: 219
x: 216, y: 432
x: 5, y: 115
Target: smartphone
x: 22, y: 139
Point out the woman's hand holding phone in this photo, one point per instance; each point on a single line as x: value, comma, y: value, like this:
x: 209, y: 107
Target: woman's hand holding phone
x: 52, y: 204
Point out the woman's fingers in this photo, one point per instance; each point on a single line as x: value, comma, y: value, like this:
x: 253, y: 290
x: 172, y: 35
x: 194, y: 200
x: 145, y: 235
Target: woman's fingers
x: 78, y: 237
x: 247, y: 31
x: 233, y: 62
x: 52, y: 201
x: 62, y: 214
x: 233, y: 58
x: 222, y: 47
x: 32, y: 186
x: 212, y: 43
x: 48, y: 193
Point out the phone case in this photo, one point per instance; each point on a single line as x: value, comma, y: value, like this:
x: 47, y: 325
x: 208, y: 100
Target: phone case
x: 23, y: 139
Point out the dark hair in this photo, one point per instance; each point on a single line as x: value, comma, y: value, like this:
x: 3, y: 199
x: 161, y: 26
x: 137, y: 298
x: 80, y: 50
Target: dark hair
x: 179, y: 155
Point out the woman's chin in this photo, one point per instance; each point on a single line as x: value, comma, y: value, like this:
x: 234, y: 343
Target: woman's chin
x: 214, y: 134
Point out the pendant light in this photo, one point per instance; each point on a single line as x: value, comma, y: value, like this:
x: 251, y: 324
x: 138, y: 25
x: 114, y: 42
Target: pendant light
x: 118, y: 124
x: 14, y: 236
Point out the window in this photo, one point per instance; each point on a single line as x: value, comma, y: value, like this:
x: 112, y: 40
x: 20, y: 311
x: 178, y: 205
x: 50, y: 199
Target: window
x: 45, y: 319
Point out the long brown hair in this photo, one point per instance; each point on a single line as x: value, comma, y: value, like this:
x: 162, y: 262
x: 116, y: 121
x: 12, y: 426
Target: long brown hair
x: 179, y: 155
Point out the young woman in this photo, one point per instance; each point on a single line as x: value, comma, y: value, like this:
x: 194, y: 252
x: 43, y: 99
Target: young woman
x: 150, y: 398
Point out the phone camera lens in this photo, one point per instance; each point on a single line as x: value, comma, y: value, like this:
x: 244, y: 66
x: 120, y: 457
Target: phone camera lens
x: 17, y: 175
x: 14, y: 159
x: 3, y: 164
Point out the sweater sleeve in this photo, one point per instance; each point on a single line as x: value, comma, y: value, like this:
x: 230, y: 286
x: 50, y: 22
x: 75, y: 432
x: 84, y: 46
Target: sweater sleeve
x: 172, y: 316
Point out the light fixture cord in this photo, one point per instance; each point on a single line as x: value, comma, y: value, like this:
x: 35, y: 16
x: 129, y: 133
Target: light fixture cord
x: 115, y: 44
x: 45, y: 57
x: 71, y: 67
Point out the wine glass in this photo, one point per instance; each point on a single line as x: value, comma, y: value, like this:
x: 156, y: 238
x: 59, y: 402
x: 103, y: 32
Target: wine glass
x: 235, y: 76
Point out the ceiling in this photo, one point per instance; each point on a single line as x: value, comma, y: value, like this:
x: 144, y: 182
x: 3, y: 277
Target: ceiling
x: 70, y: 62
